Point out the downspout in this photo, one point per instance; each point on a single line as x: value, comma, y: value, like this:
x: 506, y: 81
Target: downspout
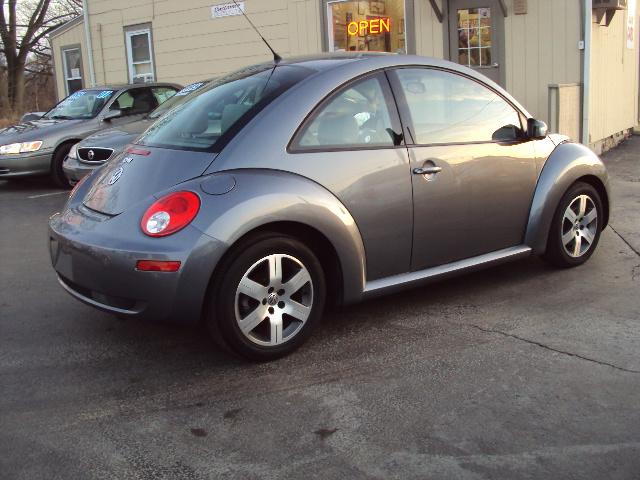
x: 87, y: 35
x: 586, y: 70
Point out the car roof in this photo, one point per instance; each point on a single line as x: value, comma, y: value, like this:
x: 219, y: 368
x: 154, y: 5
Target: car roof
x: 352, y: 64
x: 128, y: 86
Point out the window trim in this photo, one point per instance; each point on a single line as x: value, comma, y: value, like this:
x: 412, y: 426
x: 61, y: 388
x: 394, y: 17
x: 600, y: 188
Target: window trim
x: 405, y: 114
x: 294, y: 147
x: 139, y: 30
x: 63, y: 52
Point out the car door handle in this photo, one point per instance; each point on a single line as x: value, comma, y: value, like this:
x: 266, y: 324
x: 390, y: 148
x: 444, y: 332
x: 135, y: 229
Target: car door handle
x: 427, y: 170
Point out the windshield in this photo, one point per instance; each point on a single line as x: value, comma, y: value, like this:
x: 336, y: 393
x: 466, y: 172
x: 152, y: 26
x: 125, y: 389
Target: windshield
x: 177, y: 99
x: 82, y: 104
x: 212, y: 115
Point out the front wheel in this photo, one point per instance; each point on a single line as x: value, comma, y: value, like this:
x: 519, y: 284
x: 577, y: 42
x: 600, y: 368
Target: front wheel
x: 576, y: 227
x: 57, y: 174
x: 267, y: 297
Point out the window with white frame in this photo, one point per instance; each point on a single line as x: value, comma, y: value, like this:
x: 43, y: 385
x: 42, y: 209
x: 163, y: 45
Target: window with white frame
x: 140, y: 55
x: 72, y: 65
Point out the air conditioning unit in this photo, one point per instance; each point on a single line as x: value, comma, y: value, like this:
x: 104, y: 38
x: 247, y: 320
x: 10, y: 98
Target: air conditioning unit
x: 610, y: 4
x: 143, y: 78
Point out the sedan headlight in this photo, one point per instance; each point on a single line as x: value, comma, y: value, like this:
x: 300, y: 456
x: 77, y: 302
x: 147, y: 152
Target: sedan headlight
x: 24, y: 147
x: 73, y: 153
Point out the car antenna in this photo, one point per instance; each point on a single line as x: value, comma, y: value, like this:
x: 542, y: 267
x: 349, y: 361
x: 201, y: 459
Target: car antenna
x: 276, y: 58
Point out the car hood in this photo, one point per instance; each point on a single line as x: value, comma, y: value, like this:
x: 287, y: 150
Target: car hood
x: 35, y: 130
x: 116, y: 138
x: 131, y: 178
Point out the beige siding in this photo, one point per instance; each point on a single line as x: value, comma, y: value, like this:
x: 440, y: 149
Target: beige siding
x: 189, y: 45
x: 541, y: 48
x: 614, y: 80
x: 429, y: 31
x: 72, y: 36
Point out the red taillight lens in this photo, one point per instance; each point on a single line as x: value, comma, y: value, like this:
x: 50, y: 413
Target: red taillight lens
x: 157, y: 266
x: 77, y: 186
x: 170, y: 214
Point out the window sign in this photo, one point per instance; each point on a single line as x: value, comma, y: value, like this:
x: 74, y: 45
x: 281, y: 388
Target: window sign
x: 631, y: 24
x: 366, y: 25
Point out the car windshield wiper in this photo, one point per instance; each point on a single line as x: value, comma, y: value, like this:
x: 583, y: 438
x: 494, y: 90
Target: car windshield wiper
x: 61, y: 117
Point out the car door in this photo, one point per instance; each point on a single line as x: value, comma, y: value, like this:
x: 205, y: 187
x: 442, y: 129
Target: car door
x: 473, y: 169
x: 351, y: 144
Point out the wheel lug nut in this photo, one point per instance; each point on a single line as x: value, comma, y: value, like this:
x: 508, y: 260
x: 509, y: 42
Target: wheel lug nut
x: 281, y: 304
x: 271, y: 310
x: 281, y: 292
x: 264, y: 301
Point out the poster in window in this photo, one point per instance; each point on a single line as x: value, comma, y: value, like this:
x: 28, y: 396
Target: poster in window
x: 376, y: 7
x: 631, y: 24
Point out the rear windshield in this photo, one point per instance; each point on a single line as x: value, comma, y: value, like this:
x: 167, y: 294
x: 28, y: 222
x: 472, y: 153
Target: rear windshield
x: 177, y: 99
x: 213, y: 114
x: 80, y: 105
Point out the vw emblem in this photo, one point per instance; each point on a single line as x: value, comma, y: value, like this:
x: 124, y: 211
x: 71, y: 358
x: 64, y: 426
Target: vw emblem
x: 116, y: 176
x: 272, y: 299
x: 91, y: 154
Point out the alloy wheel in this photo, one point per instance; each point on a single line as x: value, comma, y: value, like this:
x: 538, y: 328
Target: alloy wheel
x: 579, y: 226
x: 273, y: 300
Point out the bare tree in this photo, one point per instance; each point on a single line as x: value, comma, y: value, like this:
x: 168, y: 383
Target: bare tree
x: 24, y: 25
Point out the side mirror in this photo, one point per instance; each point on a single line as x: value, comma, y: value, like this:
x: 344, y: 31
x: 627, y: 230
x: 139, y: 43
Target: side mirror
x: 111, y: 114
x: 536, y: 129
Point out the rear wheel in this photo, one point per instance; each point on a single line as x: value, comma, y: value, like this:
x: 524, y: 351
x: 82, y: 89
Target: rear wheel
x: 57, y: 174
x: 576, y: 227
x: 267, y: 298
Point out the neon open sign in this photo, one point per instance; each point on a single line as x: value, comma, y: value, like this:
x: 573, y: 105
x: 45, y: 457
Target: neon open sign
x: 374, y: 26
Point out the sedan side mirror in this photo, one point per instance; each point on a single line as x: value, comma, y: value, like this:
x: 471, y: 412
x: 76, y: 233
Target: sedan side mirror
x: 536, y: 129
x: 111, y: 114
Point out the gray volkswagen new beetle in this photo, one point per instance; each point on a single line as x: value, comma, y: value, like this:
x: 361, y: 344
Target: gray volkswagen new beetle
x: 280, y: 188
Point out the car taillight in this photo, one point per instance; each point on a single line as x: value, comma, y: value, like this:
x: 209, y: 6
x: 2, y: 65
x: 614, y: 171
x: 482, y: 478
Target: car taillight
x: 170, y: 214
x: 77, y: 186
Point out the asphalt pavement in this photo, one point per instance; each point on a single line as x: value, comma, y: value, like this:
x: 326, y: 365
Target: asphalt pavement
x: 518, y: 372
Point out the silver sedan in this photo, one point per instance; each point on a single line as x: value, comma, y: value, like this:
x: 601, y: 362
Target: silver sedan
x: 283, y: 187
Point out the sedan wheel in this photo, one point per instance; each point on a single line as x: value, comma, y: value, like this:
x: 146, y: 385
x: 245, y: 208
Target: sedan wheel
x: 576, y: 226
x: 267, y: 296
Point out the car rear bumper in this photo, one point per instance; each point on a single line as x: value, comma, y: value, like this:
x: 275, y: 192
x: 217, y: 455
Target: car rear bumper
x: 100, y: 270
x: 75, y: 170
x: 24, y: 165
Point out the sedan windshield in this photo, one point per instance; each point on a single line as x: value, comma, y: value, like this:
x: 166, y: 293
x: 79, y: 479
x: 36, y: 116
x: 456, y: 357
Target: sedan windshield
x: 82, y: 104
x: 177, y: 99
x: 212, y: 115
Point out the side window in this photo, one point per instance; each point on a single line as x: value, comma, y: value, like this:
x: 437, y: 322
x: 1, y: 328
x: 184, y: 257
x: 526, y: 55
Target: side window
x: 124, y: 102
x: 135, y: 102
x: 449, y: 108
x: 356, y: 116
x: 163, y: 94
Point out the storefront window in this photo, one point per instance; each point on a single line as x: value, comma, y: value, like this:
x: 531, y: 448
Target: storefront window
x: 366, y: 26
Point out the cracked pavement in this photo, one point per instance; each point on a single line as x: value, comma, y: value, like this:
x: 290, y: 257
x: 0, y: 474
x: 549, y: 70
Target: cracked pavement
x: 518, y: 372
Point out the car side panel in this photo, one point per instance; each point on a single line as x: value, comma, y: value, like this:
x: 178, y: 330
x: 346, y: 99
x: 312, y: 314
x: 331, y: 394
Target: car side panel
x: 261, y: 197
x: 568, y: 163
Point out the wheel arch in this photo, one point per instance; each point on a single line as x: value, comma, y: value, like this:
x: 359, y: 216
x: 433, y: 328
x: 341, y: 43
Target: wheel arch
x: 568, y: 163
x: 63, y: 143
x: 267, y: 200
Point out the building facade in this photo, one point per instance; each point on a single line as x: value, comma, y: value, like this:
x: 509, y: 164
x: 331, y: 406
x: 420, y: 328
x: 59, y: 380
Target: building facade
x: 572, y: 63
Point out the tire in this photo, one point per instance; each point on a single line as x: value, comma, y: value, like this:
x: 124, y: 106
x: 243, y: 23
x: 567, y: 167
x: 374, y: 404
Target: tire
x: 57, y: 174
x: 575, y: 232
x: 258, y: 316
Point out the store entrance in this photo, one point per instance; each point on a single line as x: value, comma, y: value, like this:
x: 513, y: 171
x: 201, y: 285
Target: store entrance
x: 477, y: 36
